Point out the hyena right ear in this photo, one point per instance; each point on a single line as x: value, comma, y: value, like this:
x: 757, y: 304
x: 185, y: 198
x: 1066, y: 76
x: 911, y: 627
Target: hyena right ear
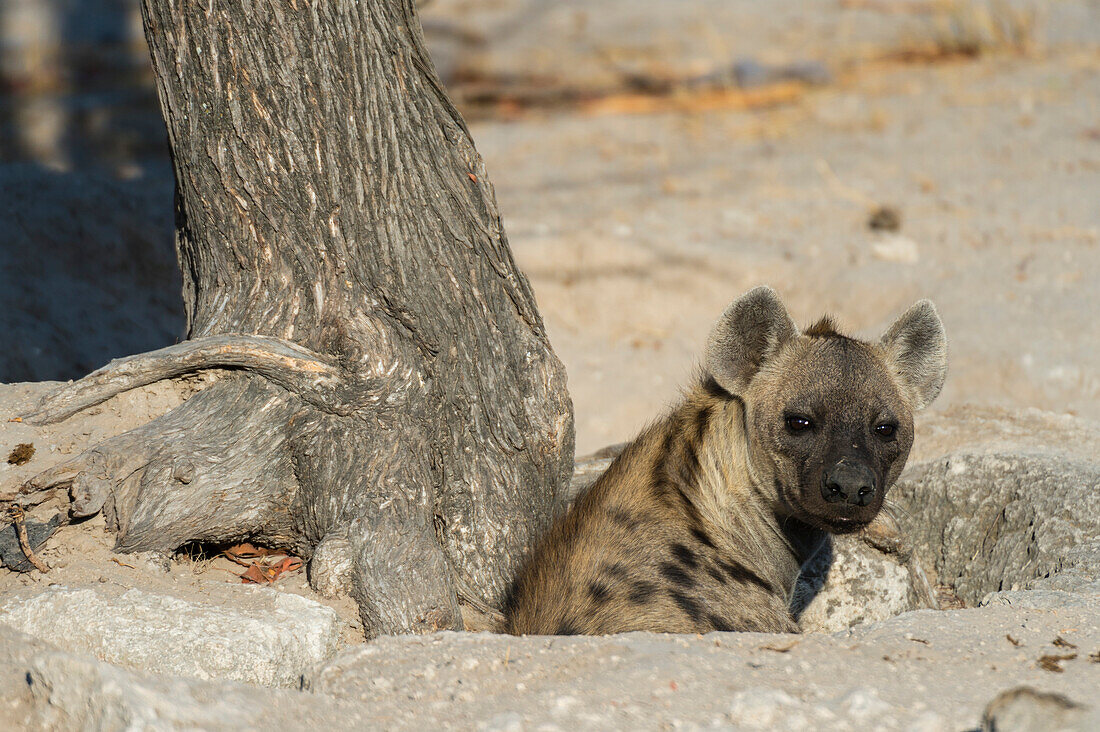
x: 753, y: 328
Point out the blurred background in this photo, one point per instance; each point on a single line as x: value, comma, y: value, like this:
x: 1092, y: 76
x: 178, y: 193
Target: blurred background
x: 652, y: 161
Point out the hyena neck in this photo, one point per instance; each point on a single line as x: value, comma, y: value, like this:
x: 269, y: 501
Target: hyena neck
x: 708, y: 450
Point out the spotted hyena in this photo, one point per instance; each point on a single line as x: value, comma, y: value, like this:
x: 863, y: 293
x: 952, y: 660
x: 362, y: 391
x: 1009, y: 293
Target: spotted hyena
x: 704, y: 521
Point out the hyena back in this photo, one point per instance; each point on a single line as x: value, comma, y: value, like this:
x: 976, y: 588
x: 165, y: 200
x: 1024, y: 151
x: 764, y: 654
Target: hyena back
x: 705, y: 520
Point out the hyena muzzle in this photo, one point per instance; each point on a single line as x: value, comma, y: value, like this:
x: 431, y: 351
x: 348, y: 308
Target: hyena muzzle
x: 704, y: 521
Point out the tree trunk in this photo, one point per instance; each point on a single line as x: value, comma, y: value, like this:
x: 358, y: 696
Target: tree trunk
x: 392, y: 409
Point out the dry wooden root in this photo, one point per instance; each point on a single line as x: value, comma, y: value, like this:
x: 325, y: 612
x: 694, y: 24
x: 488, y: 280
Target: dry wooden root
x: 245, y: 459
x: 15, y: 512
x: 314, y: 377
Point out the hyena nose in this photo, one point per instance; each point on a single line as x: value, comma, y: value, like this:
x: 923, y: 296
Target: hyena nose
x: 851, y: 483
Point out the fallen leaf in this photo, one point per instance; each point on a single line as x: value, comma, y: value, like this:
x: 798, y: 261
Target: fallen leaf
x: 289, y: 564
x: 778, y: 648
x: 246, y: 554
x: 264, y: 574
x: 1052, y: 662
x: 248, y: 551
x: 256, y: 575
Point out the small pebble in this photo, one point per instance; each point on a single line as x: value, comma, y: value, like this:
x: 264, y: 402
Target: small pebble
x: 884, y: 218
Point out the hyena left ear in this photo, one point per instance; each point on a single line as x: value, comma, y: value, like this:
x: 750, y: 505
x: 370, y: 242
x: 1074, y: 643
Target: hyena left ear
x: 916, y: 352
x: 753, y: 328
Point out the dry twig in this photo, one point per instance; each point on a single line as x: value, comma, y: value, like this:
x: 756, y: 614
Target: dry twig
x: 16, y: 515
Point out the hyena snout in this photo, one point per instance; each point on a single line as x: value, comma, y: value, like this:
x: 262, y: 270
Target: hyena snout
x: 848, y: 482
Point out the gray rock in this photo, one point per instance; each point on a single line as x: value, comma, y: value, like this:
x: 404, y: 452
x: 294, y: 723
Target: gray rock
x: 1024, y: 709
x: 1042, y: 599
x: 252, y: 635
x: 924, y: 670
x: 43, y: 688
x: 72, y: 692
x: 933, y: 670
x: 850, y: 584
x: 993, y: 520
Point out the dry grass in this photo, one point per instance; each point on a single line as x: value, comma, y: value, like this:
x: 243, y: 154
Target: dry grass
x: 973, y: 28
x: 764, y: 97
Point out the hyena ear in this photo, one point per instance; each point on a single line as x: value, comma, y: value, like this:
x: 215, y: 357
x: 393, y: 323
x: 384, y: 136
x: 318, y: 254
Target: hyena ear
x: 753, y: 328
x: 916, y: 352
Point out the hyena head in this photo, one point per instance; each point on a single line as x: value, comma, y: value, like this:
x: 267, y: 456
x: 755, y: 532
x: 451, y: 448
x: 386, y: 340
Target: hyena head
x: 828, y: 419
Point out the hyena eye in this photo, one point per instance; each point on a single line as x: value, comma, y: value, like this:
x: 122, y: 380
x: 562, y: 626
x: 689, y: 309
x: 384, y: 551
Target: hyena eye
x: 886, y: 430
x: 797, y: 424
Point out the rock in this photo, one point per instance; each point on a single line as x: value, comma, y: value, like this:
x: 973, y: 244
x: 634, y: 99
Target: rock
x: 16, y: 651
x: 44, y: 688
x: 72, y: 692
x: 1024, y: 709
x: 926, y: 670
x: 1003, y: 506
x: 330, y: 567
x: 993, y: 520
x: 254, y: 635
x: 896, y: 248
x: 853, y: 583
x: 766, y: 708
x: 1042, y: 599
x: 884, y: 218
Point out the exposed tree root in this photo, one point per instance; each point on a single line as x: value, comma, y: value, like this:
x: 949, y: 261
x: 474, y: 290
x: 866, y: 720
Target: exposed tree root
x: 313, y: 377
x: 212, y: 469
x: 16, y: 514
x: 246, y: 460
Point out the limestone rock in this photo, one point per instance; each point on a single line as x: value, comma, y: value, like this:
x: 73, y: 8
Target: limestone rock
x: 1024, y: 709
x: 853, y: 583
x: 254, y: 635
x: 925, y: 670
x: 42, y: 688
x: 1008, y: 512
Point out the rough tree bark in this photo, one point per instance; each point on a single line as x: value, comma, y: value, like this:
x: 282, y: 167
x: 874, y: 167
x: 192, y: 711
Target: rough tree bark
x: 391, y: 407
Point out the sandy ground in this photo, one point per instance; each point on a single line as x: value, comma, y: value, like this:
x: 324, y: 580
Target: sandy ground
x: 81, y: 554
x: 636, y: 231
